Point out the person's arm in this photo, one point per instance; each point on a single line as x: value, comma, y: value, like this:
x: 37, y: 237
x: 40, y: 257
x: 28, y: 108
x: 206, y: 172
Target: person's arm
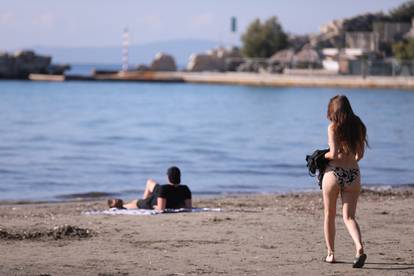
x: 188, y: 203
x: 161, y: 203
x: 332, y: 154
x: 360, y: 153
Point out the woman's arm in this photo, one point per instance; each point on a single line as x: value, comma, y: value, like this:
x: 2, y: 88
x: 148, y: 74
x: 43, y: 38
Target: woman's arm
x: 360, y: 153
x: 332, y: 154
x: 161, y: 203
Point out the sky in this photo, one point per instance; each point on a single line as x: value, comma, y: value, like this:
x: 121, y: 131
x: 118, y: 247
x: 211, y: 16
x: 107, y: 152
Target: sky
x: 94, y: 23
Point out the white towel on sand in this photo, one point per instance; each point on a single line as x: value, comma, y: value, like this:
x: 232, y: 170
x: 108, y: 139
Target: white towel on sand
x: 145, y: 212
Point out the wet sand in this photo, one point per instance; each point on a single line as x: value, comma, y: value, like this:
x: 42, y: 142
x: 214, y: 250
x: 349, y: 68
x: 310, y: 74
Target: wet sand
x: 253, y: 235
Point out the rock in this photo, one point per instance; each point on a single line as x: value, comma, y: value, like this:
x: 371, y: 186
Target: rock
x: 58, y: 69
x: 205, y: 62
x: 219, y: 59
x: 233, y: 52
x: 23, y: 63
x: 253, y: 66
x: 308, y: 57
x: 232, y: 58
x: 142, y: 67
x: 163, y: 62
x: 283, y: 57
x: 28, y: 62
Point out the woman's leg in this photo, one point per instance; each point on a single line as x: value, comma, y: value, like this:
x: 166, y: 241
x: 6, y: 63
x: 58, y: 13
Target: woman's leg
x: 330, y: 190
x: 349, y: 203
x: 149, y: 188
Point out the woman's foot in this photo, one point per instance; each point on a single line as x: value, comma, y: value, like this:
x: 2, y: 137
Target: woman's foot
x: 359, y: 260
x: 330, y: 258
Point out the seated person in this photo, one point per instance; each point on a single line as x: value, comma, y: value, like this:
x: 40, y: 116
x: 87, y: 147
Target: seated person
x: 159, y: 197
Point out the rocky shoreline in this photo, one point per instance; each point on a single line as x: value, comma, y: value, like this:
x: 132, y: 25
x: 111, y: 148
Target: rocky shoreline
x: 21, y: 64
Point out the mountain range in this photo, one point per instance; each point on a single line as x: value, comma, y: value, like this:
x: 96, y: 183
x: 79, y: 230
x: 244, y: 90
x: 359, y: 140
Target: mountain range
x: 138, y: 54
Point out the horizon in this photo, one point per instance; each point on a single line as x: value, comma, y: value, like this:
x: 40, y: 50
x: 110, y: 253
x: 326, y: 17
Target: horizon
x: 68, y: 25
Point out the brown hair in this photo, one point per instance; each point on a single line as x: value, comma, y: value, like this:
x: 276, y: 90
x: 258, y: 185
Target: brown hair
x: 349, y: 130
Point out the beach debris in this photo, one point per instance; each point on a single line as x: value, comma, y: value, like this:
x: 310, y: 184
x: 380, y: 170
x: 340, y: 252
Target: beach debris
x: 61, y: 232
x: 113, y: 273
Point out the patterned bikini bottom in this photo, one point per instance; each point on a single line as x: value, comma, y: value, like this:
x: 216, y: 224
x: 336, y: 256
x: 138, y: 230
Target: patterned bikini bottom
x: 345, y: 176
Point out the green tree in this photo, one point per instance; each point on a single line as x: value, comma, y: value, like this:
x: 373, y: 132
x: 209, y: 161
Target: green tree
x: 404, y: 50
x: 264, y: 39
x: 403, y: 13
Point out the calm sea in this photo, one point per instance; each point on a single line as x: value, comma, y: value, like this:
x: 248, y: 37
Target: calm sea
x: 63, y: 139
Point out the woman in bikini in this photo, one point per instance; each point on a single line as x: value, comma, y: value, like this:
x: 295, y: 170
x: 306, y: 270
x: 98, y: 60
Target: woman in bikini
x: 347, y: 139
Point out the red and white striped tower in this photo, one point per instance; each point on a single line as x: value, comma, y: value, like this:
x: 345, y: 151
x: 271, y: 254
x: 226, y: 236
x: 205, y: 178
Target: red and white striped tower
x: 125, y: 45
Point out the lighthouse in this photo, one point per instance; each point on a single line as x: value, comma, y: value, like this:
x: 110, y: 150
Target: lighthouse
x: 125, y: 45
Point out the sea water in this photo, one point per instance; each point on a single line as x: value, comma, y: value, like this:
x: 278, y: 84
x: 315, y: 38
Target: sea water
x: 59, y: 140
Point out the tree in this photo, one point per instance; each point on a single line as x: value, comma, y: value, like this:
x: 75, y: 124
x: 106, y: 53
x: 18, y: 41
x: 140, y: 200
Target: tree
x: 264, y: 39
x: 403, y: 13
x: 404, y: 50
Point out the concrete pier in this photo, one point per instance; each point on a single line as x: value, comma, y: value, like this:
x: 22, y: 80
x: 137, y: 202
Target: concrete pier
x: 254, y: 79
x: 301, y: 81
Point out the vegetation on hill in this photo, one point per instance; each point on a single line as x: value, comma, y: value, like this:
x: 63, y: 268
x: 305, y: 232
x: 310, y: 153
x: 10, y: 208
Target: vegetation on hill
x: 261, y: 40
x: 363, y: 23
x: 403, y: 13
x: 404, y: 50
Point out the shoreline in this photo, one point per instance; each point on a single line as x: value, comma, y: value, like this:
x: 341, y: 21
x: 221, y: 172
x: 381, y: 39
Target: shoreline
x: 96, y: 195
x: 250, y: 79
x: 253, y: 235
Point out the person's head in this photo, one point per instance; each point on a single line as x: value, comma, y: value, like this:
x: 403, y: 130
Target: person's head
x: 174, y: 175
x: 349, y: 130
x: 115, y: 203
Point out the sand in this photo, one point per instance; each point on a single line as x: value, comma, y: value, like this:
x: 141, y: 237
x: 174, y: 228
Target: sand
x: 253, y: 235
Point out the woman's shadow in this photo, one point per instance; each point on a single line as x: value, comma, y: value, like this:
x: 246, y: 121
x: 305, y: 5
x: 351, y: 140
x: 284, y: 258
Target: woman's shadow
x: 391, y: 266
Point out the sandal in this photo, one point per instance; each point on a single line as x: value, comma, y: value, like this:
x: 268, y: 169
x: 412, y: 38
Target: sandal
x: 359, y: 261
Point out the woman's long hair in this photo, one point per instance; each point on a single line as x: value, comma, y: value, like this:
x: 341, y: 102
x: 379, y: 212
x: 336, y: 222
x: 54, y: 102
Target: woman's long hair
x: 350, y: 132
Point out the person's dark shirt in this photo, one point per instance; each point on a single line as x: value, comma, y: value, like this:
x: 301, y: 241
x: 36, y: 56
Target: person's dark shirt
x: 175, y: 195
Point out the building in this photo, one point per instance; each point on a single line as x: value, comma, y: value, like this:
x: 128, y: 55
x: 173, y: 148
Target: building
x: 390, y: 32
x: 367, y: 41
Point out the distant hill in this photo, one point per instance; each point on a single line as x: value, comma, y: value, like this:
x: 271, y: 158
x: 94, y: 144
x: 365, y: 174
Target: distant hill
x: 144, y: 53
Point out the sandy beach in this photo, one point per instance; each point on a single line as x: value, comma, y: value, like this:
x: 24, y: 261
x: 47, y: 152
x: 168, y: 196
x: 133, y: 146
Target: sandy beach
x: 253, y: 235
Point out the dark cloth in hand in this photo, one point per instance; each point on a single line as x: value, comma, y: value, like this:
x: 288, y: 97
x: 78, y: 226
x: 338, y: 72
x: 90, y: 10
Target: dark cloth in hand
x: 317, y: 162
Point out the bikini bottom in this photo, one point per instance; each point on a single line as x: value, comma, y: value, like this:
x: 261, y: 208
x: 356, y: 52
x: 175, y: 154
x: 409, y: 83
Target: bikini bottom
x: 345, y: 176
